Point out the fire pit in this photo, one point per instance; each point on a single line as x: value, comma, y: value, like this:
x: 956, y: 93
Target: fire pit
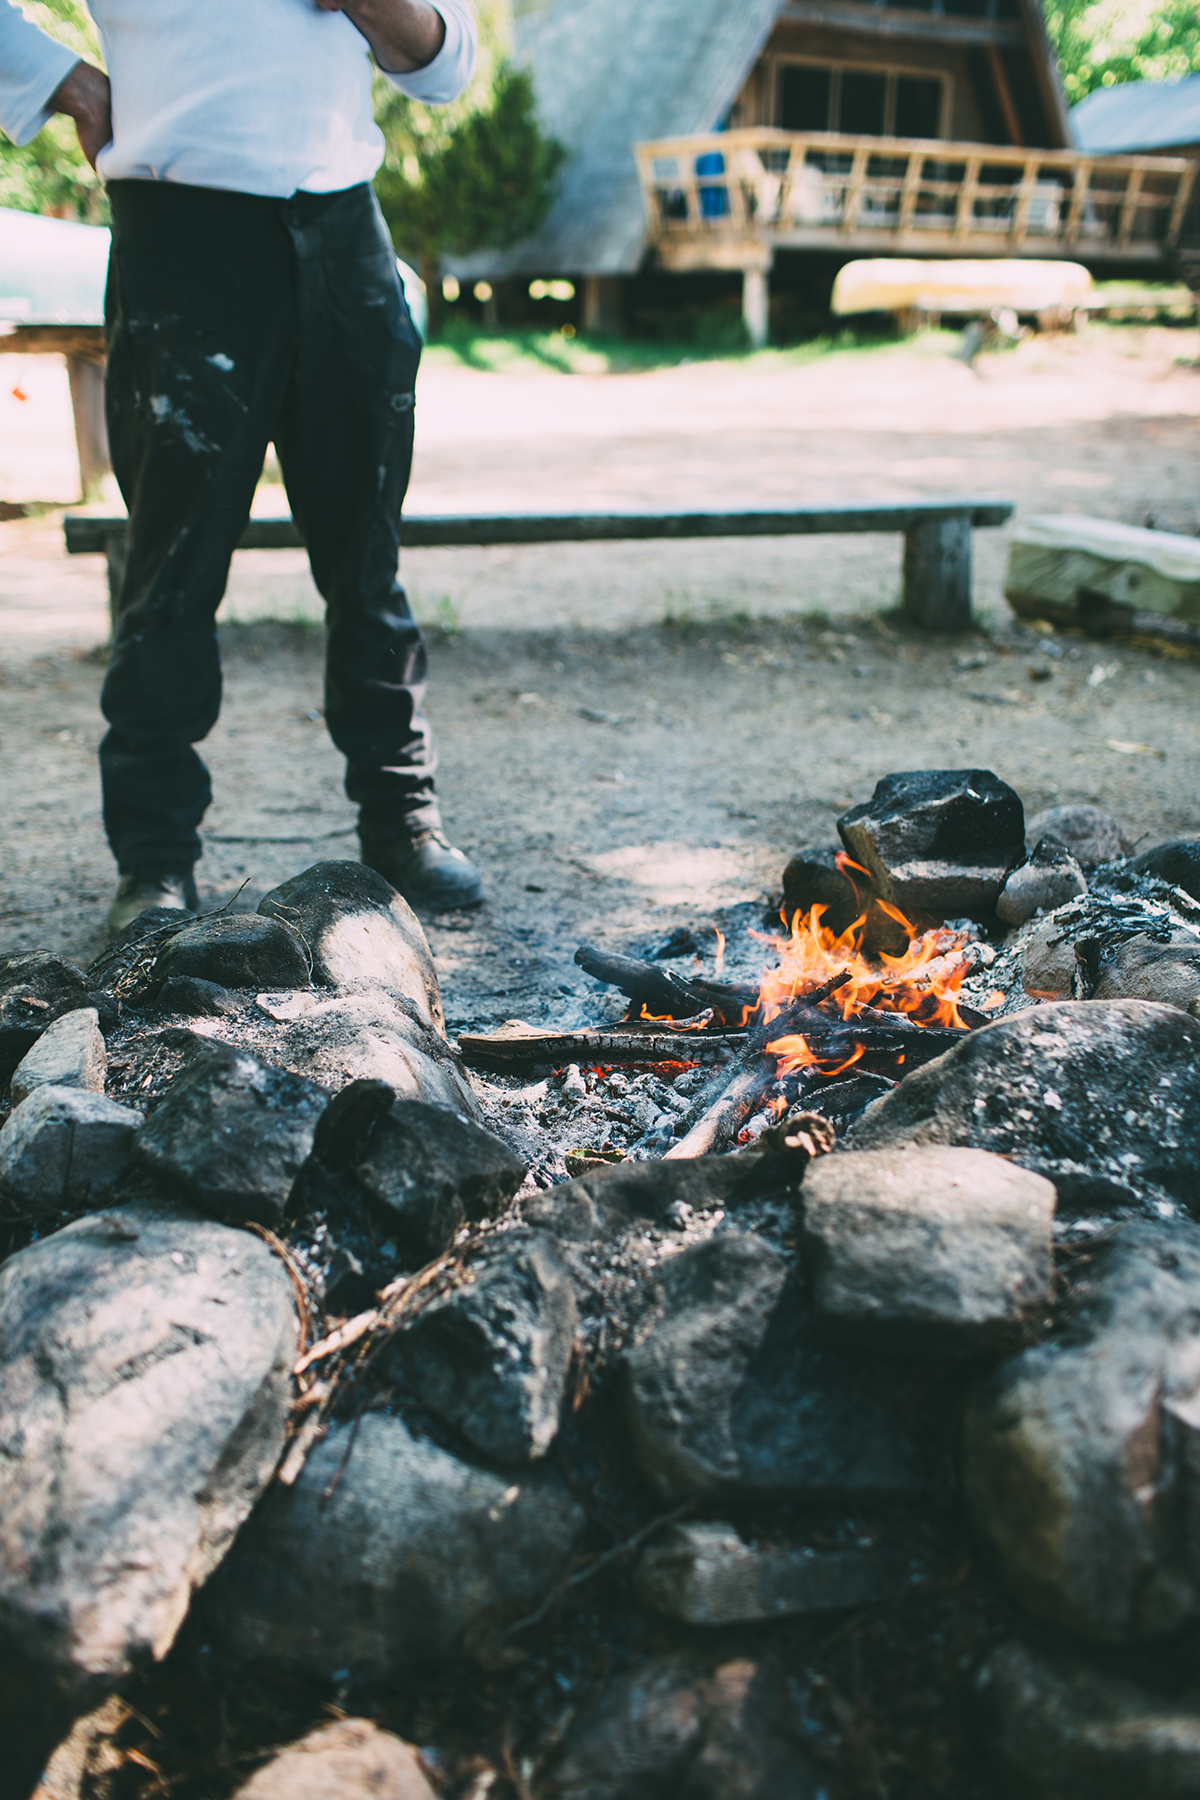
x: 787, y: 1386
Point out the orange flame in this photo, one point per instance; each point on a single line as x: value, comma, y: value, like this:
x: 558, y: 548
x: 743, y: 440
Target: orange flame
x: 719, y: 964
x: 921, y: 984
x: 794, y: 1053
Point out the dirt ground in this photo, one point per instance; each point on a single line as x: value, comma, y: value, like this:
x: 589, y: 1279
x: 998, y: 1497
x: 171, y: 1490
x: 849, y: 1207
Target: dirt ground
x: 639, y: 736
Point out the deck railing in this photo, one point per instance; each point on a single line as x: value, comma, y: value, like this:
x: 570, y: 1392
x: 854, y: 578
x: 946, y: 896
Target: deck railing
x: 712, y: 200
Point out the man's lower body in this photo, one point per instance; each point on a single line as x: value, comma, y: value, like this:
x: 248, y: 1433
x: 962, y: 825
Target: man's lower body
x: 234, y: 321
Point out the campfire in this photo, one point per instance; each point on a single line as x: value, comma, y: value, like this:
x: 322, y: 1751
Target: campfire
x: 550, y: 1346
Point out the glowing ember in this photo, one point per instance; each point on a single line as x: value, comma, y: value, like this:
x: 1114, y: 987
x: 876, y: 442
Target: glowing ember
x: 921, y: 985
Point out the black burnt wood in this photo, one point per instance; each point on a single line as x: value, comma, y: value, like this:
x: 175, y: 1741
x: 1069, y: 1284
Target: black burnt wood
x: 666, y: 995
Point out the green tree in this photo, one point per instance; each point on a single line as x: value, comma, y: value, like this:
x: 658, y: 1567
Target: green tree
x: 478, y: 175
x: 51, y: 175
x: 1102, y: 42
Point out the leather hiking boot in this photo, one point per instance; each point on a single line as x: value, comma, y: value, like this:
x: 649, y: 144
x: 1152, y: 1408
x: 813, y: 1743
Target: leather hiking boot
x: 141, y: 889
x: 424, y: 866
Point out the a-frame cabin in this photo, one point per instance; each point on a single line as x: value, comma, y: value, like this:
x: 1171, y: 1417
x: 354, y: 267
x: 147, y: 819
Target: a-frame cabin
x: 704, y: 136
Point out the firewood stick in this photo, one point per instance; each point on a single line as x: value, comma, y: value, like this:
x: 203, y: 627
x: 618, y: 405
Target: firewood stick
x: 731, y: 1108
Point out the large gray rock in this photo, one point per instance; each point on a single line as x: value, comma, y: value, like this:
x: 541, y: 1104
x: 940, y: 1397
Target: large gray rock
x: 706, y: 1575
x: 1090, y: 834
x: 1101, y: 1097
x: 69, y: 1053
x: 232, y: 1132
x: 35, y: 989
x: 348, y: 1760
x: 675, y: 1727
x: 730, y: 1394
x: 385, y: 1555
x: 368, y: 1037
x: 1051, y: 877
x: 145, y: 1365
x: 1061, y: 1729
x: 424, y: 1171
x: 236, y: 950
x: 360, y: 935
x: 938, y: 840
x: 1143, y: 969
x: 940, y: 1249
x: 65, y: 1148
x: 1080, y: 1454
x: 492, y: 1357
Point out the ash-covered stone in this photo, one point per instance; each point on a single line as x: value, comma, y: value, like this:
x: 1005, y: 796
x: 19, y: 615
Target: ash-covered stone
x: 385, y: 1555
x: 1050, y: 878
x: 235, y: 950
x: 360, y: 935
x: 1048, y: 959
x: 350, y: 1759
x: 191, y: 998
x: 371, y: 1037
x: 492, y: 1357
x: 65, y: 1148
x: 730, y: 1394
x: 1079, y: 1453
x: 145, y: 1366
x: 35, y: 990
x: 232, y: 1133
x: 676, y: 1726
x: 934, y: 1249
x: 1143, y: 969
x: 706, y: 1575
x: 1090, y: 834
x: 938, y: 841
x: 606, y: 1201
x: 1062, y: 1728
x: 1176, y: 862
x: 423, y: 1171
x: 1101, y: 1097
x: 69, y: 1053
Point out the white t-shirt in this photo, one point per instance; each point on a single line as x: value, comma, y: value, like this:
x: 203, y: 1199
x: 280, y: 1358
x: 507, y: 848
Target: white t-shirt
x: 261, y: 96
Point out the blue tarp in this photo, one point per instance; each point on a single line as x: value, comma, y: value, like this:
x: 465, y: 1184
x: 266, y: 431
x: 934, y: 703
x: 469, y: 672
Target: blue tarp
x: 1138, y: 115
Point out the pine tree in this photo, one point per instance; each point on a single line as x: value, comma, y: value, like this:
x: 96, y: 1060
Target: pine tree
x: 478, y: 175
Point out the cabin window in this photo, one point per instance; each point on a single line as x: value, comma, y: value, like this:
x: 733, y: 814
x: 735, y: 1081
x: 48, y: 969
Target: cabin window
x: 804, y: 93
x: 861, y: 102
x: 864, y: 102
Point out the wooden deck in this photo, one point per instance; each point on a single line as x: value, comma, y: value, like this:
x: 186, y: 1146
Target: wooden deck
x: 728, y: 200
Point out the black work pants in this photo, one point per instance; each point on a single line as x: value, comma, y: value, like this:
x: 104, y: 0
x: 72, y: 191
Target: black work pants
x: 232, y: 321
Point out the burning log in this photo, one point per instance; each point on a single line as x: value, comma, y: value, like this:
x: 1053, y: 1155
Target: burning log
x: 752, y: 1073
x: 664, y: 995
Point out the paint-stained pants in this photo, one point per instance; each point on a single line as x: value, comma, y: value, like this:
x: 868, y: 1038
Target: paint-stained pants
x: 234, y: 321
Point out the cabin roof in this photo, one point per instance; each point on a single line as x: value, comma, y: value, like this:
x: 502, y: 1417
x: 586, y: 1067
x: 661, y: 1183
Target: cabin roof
x: 609, y: 72
x: 1138, y: 115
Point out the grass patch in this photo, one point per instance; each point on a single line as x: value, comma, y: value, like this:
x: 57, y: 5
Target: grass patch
x: 463, y: 345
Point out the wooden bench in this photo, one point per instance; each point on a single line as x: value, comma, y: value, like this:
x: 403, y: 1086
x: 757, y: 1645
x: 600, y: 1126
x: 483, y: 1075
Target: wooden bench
x: 937, y: 538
